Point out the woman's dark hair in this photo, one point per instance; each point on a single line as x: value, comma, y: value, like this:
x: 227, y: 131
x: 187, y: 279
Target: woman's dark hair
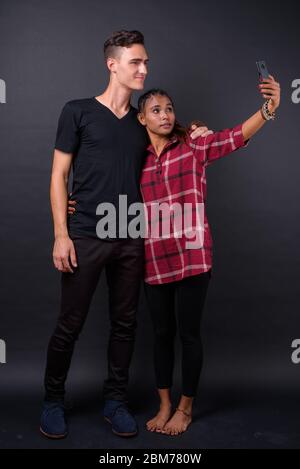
x: 121, y: 38
x: 178, y: 130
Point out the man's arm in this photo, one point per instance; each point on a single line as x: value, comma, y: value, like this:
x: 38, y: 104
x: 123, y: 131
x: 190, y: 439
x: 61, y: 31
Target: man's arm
x: 63, y: 246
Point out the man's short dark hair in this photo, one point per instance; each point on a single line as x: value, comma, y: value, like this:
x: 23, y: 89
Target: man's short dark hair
x: 121, y: 38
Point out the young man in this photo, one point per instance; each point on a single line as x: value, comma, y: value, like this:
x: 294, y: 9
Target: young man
x: 103, y: 140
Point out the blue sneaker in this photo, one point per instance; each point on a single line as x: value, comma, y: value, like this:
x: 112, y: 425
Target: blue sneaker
x: 53, y: 424
x: 118, y: 415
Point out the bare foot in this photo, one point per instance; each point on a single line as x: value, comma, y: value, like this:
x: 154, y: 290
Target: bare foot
x: 177, y: 424
x: 158, y: 422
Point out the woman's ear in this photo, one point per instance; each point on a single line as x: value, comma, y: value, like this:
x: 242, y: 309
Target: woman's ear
x: 141, y: 118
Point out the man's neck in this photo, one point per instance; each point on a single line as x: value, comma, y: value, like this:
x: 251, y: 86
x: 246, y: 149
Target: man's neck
x: 116, y: 98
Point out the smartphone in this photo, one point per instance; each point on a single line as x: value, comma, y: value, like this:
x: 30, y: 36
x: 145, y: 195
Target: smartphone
x: 262, y: 70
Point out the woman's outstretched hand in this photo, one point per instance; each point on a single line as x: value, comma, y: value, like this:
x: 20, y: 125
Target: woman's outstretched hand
x: 271, y: 90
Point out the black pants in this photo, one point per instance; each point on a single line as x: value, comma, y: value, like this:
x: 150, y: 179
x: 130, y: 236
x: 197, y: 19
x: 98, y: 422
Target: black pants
x: 123, y: 262
x: 187, y: 296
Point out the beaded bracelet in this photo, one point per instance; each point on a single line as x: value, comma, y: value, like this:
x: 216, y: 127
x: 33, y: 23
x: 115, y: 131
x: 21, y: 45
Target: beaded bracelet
x: 266, y: 114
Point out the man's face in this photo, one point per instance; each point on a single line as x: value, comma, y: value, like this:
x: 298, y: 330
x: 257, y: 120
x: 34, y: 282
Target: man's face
x: 130, y: 66
x: 158, y: 115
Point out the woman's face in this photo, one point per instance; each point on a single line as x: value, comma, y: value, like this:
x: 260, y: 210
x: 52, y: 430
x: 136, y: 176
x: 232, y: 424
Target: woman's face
x: 158, y: 115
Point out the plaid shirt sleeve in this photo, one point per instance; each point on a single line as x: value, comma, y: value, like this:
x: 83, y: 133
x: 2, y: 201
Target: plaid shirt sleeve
x: 214, y: 146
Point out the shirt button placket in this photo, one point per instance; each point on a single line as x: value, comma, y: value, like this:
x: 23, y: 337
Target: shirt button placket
x: 158, y: 167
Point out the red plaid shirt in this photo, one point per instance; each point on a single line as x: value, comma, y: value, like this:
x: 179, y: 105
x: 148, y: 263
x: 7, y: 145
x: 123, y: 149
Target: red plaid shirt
x: 178, y: 175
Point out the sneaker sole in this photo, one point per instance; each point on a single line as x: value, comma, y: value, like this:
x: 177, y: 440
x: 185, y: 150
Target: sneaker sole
x: 126, y: 435
x: 53, y: 437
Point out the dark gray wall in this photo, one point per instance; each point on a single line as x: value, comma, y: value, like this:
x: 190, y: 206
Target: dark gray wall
x: 203, y: 53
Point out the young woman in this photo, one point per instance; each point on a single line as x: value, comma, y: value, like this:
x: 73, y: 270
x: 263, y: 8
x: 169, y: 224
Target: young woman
x: 178, y: 266
x: 177, y: 276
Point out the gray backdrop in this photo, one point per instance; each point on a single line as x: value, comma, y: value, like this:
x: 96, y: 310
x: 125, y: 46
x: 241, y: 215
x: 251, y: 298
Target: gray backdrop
x: 203, y: 53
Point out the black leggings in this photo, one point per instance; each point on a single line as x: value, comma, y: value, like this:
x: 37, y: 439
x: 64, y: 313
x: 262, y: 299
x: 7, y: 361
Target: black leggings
x: 187, y: 297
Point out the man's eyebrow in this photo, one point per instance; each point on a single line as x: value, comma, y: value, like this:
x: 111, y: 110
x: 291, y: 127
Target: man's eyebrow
x: 139, y: 60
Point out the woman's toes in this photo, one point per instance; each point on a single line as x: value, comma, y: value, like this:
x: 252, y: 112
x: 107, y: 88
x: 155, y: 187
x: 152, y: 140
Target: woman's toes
x: 150, y: 426
x: 151, y: 423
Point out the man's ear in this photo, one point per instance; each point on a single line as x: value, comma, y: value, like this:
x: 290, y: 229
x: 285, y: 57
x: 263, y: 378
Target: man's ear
x: 141, y: 118
x: 111, y: 64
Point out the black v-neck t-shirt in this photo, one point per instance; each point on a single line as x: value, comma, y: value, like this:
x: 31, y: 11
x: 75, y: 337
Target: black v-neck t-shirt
x: 108, y: 154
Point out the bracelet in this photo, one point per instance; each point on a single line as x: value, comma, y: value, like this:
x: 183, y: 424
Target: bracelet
x: 266, y: 114
x: 185, y: 413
